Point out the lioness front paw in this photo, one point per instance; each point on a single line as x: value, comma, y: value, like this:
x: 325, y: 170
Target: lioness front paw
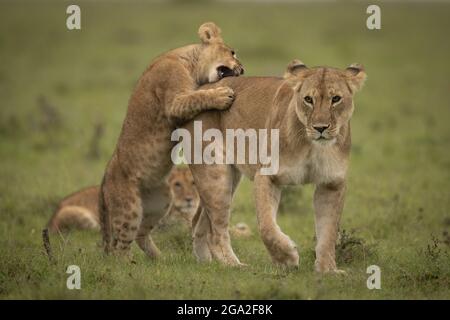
x: 339, y: 271
x: 334, y: 271
x: 223, y: 97
x: 284, y: 252
x: 328, y: 268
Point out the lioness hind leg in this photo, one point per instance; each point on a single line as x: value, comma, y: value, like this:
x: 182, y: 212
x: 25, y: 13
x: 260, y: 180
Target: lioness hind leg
x: 215, y: 186
x: 201, y: 228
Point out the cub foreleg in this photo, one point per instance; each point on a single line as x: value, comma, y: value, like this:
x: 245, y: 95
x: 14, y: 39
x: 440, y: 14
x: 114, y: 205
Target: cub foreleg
x: 185, y: 106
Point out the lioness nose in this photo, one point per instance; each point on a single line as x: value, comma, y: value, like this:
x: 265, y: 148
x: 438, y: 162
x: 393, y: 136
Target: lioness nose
x: 321, y: 128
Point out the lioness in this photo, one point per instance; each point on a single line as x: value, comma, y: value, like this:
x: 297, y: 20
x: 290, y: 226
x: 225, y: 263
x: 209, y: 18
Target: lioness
x: 132, y: 197
x: 80, y: 209
x: 312, y: 108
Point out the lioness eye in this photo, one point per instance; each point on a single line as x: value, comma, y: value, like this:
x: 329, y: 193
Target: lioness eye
x: 177, y: 184
x: 308, y: 99
x: 233, y: 53
x: 335, y: 99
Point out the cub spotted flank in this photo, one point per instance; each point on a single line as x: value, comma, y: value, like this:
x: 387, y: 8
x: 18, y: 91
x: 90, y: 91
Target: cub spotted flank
x: 133, y: 197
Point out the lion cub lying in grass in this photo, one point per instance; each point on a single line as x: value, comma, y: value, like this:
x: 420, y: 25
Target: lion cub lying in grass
x: 312, y: 108
x: 80, y: 209
x: 132, y: 196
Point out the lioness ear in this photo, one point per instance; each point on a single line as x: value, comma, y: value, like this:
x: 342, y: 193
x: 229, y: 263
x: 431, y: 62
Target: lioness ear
x: 209, y: 33
x: 294, y: 69
x: 356, y: 76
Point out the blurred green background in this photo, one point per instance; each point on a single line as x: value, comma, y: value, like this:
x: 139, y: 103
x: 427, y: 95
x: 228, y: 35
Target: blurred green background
x: 64, y: 96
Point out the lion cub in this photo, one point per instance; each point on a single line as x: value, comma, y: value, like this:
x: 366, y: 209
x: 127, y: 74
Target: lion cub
x: 132, y: 196
x: 80, y: 209
x: 185, y: 198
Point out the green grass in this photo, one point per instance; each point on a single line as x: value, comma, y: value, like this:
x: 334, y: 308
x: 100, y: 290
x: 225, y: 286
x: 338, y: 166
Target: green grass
x: 398, y: 203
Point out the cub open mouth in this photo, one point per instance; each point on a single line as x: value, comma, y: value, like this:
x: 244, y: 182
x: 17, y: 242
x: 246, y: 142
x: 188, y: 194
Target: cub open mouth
x: 224, y: 71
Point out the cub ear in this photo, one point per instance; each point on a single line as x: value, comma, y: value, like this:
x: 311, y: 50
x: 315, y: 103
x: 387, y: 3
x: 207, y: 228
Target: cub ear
x: 171, y: 176
x: 294, y: 69
x: 209, y: 33
x: 356, y: 76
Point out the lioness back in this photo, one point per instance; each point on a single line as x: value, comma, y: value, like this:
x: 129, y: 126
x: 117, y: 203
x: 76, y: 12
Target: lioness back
x: 252, y: 93
x: 252, y: 108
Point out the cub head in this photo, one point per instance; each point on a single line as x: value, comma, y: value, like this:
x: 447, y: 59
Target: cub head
x: 323, y: 97
x: 216, y: 59
x: 184, y: 195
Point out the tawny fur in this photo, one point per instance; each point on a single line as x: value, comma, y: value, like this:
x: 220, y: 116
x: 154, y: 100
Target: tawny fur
x: 80, y: 209
x: 133, y: 198
x: 295, y: 104
x: 185, y: 198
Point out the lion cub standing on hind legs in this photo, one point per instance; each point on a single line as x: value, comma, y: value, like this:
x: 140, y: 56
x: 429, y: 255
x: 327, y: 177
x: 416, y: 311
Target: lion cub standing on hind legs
x: 133, y: 198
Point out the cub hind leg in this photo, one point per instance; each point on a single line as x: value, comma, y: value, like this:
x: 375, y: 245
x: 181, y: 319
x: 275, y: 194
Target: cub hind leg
x: 120, y: 213
x: 156, y: 202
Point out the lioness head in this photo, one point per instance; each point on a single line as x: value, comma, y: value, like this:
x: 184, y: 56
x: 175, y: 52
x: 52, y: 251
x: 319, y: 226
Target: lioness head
x: 216, y: 59
x: 185, y: 197
x: 323, y: 98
